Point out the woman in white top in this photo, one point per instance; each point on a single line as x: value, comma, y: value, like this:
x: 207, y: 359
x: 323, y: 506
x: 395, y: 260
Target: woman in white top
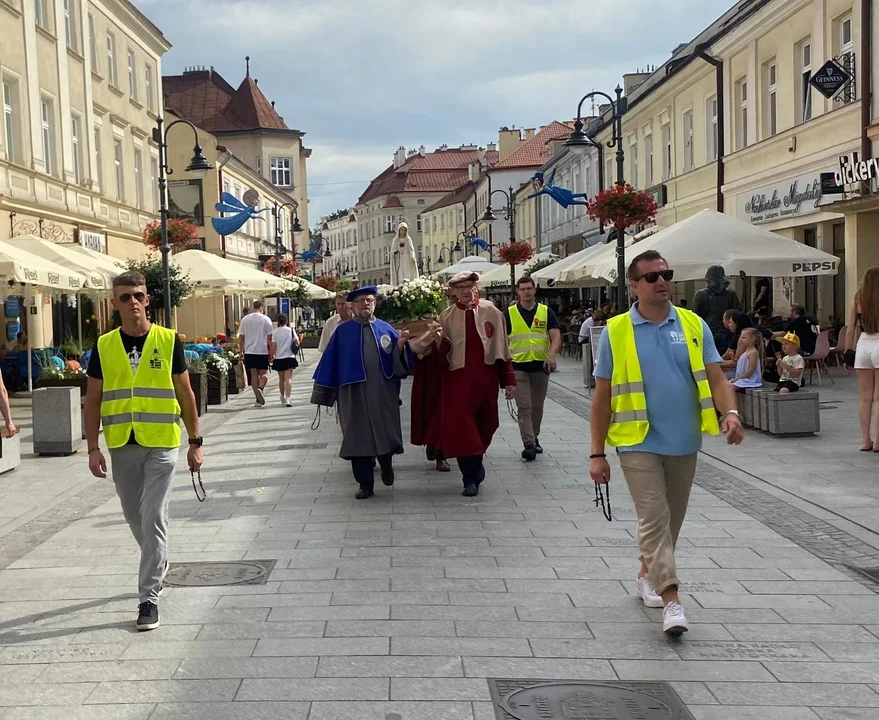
x: 285, y: 345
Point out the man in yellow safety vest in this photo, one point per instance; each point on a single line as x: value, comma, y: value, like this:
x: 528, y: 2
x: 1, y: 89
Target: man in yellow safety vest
x: 535, y: 340
x: 658, y: 382
x: 139, y: 388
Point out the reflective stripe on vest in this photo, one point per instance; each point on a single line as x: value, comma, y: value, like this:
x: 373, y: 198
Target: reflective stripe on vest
x: 529, y: 344
x: 628, y: 403
x: 143, y: 403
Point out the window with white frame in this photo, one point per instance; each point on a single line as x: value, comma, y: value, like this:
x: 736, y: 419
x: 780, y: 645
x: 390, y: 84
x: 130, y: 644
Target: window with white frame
x: 112, y: 74
x: 575, y: 185
x: 47, y: 117
x: 11, y: 116
x: 281, y: 171
x: 138, y: 178
x: 804, y: 89
x: 132, y: 75
x: 742, y: 114
x: 423, y: 226
x: 688, y: 140
x: 76, y: 141
x: 118, y: 165
x: 93, y: 45
x: 41, y: 14
x: 154, y: 183
x: 609, y: 177
x: 633, y: 162
x: 442, y: 223
x: 648, y: 161
x: 461, y: 217
x: 666, y: 152
x: 845, y: 41
x: 71, y: 26
x: 770, y: 99
x: 389, y: 223
x: 433, y: 223
x: 711, y: 129
x: 96, y: 149
x: 148, y: 87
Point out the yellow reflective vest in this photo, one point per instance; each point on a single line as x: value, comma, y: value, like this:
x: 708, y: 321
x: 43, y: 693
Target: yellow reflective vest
x: 143, y: 402
x: 628, y: 403
x: 529, y: 344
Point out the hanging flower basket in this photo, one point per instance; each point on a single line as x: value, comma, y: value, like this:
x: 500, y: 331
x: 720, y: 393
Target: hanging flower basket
x: 622, y: 206
x: 181, y: 235
x: 288, y: 266
x: 328, y: 282
x: 516, y: 253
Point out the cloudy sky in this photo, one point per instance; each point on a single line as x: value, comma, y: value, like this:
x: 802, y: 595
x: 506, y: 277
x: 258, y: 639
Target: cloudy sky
x: 362, y: 77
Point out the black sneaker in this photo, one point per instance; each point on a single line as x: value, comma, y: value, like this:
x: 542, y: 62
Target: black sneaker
x: 147, y: 616
x: 388, y: 476
x: 470, y: 491
x: 537, y: 447
x: 529, y: 454
x: 363, y: 494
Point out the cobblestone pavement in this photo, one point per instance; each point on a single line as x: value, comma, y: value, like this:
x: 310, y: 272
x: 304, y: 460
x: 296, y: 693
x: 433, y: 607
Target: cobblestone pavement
x: 402, y: 606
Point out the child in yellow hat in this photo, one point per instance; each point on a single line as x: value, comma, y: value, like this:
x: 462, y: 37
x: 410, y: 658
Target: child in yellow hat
x: 791, y: 365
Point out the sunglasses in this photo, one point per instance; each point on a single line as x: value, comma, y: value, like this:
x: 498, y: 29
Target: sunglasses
x: 126, y: 297
x: 652, y: 277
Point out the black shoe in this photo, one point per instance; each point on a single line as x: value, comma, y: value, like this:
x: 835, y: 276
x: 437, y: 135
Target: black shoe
x: 443, y: 466
x: 529, y: 454
x: 373, y: 463
x: 537, y: 447
x: 363, y: 493
x: 147, y: 616
x: 388, y: 476
x: 470, y: 491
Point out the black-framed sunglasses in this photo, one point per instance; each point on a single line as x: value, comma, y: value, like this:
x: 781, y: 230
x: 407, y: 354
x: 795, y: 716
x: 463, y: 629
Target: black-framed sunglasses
x: 126, y: 297
x: 653, y: 276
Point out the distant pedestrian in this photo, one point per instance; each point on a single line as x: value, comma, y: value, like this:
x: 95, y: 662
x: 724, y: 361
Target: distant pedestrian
x: 864, y: 317
x: 254, y: 341
x: 139, y: 387
x: 343, y: 313
x: 361, y: 370
x: 285, y: 344
x: 535, y: 340
x: 658, y: 381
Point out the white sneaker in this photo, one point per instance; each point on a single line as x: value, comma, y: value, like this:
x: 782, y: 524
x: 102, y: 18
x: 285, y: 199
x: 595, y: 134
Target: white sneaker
x: 258, y: 406
x: 289, y: 402
x: 284, y: 402
x: 648, y: 594
x: 674, y: 622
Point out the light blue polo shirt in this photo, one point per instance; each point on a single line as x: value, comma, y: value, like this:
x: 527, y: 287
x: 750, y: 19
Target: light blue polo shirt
x: 672, y: 397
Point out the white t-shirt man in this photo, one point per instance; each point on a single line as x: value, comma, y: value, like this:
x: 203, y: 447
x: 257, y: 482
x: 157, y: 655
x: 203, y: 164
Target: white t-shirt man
x: 329, y: 328
x: 256, y: 328
x: 585, y: 328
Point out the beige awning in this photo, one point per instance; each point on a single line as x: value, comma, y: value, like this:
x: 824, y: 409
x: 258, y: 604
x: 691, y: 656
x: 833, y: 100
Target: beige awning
x: 19, y: 265
x: 98, y: 269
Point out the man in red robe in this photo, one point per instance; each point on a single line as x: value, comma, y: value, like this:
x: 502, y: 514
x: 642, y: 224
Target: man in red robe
x: 473, y: 353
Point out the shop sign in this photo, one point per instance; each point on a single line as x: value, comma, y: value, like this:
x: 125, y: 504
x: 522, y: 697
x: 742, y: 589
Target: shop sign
x: 659, y: 194
x: 830, y: 79
x: 852, y: 170
x: 93, y: 241
x: 790, y: 198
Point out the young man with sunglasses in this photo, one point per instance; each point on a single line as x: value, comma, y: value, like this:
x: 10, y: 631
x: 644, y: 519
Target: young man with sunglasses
x: 139, y: 387
x: 658, y: 382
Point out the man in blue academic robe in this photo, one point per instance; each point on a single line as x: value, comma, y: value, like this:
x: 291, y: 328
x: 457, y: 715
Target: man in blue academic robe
x: 360, y: 371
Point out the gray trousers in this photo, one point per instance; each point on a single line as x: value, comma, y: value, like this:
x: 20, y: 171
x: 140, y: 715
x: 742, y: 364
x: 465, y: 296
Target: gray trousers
x: 531, y: 390
x: 143, y: 478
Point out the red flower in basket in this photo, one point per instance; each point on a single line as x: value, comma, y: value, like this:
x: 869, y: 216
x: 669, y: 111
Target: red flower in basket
x: 181, y: 234
x: 288, y: 266
x: 622, y: 206
x: 516, y: 253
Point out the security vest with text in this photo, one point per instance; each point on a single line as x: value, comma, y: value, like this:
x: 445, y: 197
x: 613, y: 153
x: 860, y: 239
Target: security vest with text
x: 143, y: 403
x: 628, y: 403
x: 529, y: 344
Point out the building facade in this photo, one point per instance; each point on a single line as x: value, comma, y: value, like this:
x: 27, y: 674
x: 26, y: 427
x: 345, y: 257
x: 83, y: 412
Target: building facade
x: 340, y: 238
x: 446, y: 225
x: 80, y: 86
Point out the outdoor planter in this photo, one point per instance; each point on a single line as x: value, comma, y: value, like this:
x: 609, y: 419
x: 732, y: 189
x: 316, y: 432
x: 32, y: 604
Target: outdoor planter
x: 199, y: 382
x: 57, y: 421
x: 78, y: 382
x: 218, y: 388
x: 232, y: 381
x: 310, y: 342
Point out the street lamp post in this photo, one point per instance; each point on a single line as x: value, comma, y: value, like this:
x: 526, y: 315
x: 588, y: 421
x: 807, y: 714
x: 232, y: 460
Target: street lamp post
x: 510, y: 215
x: 295, y: 227
x: 579, y: 141
x: 198, y: 167
x: 452, y: 249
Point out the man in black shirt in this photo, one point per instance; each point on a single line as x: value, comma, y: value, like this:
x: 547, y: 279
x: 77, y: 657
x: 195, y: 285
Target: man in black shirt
x: 803, y: 327
x: 763, y: 297
x: 535, y: 340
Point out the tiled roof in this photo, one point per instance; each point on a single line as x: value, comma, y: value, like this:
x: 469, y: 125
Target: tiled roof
x: 453, y: 198
x: 393, y: 202
x: 206, y: 99
x: 441, y: 171
x: 535, y: 152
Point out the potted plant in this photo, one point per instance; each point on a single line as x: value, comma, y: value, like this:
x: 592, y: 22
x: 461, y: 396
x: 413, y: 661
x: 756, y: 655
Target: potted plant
x: 217, y: 367
x: 69, y: 374
x: 412, y: 305
x: 198, y: 378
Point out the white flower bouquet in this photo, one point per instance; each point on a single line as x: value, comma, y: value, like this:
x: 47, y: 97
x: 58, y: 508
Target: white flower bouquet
x: 217, y: 363
x: 412, y: 302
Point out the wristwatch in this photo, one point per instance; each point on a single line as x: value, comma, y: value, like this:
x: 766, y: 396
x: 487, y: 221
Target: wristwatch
x: 728, y: 412
x: 197, y: 441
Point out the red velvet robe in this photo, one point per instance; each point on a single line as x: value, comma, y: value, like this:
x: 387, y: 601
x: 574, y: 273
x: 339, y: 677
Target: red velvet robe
x: 427, y: 377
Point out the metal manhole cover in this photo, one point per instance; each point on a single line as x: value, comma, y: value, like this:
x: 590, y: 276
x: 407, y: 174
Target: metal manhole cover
x: 206, y: 574
x: 567, y: 699
x: 304, y: 446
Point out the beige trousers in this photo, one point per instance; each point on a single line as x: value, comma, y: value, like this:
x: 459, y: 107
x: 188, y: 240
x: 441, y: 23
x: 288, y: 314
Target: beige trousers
x: 530, y: 397
x: 660, y: 488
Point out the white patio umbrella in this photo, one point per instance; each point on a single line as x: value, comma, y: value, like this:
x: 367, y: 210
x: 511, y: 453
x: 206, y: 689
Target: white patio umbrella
x: 549, y: 276
x: 471, y: 263
x: 581, y: 273
x: 711, y: 238
x: 214, y: 275
x: 99, y: 274
x: 500, y: 277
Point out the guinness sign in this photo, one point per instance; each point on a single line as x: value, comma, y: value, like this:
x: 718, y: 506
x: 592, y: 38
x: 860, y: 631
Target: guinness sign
x: 830, y: 79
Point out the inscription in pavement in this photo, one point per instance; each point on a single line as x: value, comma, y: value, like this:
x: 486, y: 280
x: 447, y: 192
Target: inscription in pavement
x: 701, y: 587
x: 572, y: 700
x: 720, y: 650
x: 67, y: 653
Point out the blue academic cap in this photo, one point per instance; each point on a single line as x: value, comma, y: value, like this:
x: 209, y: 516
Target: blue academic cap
x: 356, y: 293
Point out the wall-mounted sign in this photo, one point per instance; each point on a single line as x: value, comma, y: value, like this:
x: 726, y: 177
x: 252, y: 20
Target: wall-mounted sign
x: 853, y: 170
x: 830, y: 79
x: 92, y: 240
x: 660, y: 194
x: 799, y: 196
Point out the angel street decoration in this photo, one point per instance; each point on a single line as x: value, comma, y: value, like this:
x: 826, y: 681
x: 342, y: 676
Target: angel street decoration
x: 242, y: 212
x: 479, y: 242
x: 562, y: 196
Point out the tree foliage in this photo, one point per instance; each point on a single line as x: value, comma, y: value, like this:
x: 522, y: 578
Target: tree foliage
x: 151, y: 268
